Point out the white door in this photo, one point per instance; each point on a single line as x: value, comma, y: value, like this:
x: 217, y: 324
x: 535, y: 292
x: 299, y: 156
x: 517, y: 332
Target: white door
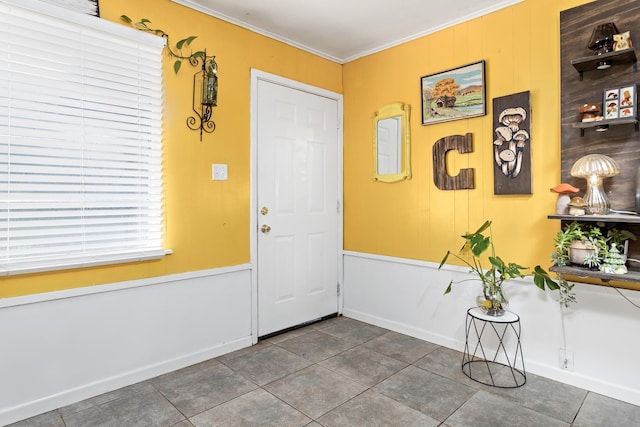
x: 297, y: 204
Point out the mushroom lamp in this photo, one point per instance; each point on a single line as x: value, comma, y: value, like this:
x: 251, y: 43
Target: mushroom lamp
x: 594, y: 168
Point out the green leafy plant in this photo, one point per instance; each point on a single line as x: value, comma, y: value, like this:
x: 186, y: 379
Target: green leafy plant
x: 182, y: 45
x: 476, y: 245
x: 592, y: 237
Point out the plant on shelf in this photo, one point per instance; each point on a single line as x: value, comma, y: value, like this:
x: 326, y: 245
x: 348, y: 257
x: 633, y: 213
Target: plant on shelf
x: 492, y: 301
x: 586, y: 245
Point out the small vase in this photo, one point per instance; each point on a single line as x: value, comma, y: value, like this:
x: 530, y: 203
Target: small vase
x: 493, y: 303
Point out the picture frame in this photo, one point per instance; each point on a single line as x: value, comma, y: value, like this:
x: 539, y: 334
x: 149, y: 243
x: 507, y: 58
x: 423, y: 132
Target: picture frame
x: 620, y: 103
x: 610, y: 101
x: 628, y: 101
x: 511, y: 144
x: 454, y: 94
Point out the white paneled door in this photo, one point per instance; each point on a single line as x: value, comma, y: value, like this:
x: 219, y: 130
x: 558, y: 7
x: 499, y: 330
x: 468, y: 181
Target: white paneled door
x: 297, y: 204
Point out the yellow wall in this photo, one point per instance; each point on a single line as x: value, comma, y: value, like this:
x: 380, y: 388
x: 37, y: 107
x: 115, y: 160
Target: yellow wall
x: 207, y: 222
x: 413, y: 219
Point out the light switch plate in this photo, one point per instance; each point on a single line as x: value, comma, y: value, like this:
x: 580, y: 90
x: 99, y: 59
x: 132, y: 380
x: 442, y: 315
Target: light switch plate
x: 219, y: 172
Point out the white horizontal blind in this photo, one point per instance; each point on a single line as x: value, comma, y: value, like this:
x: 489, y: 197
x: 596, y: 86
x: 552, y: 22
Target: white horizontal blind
x: 80, y: 140
x: 84, y: 6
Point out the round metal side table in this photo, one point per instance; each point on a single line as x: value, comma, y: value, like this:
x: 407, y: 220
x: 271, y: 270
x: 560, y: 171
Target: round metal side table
x: 492, y: 349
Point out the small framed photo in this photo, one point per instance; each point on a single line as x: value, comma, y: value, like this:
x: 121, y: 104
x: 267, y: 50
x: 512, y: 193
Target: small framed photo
x: 610, y: 103
x: 620, y: 102
x: 627, y: 96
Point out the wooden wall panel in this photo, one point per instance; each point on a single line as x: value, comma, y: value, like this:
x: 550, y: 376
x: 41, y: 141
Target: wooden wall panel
x: 622, y: 142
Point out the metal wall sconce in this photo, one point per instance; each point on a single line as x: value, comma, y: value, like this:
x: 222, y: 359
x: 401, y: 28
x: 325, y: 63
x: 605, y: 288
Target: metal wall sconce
x: 205, y: 96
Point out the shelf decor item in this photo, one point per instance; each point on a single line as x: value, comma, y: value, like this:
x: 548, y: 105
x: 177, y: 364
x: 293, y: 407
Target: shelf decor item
x: 594, y: 168
x: 620, y: 102
x: 564, y: 192
x: 601, y: 41
x: 622, y: 41
x: 590, y: 112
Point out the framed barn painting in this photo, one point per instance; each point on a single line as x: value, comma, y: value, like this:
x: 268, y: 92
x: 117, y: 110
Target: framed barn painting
x: 454, y: 94
x: 512, y: 144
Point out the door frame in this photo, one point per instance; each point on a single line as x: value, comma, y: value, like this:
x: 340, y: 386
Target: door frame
x: 256, y: 76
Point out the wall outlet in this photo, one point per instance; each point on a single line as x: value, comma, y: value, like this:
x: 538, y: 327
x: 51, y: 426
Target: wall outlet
x: 566, y: 359
x: 219, y: 172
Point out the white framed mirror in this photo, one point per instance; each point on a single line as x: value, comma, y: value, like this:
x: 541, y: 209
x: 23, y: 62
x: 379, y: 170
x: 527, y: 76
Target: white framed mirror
x: 391, y: 143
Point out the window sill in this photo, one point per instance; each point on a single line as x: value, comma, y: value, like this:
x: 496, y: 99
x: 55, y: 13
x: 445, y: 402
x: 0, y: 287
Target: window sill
x: 41, y: 266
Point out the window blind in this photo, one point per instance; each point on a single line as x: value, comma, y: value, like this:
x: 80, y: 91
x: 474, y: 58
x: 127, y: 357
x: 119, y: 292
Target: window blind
x: 80, y: 140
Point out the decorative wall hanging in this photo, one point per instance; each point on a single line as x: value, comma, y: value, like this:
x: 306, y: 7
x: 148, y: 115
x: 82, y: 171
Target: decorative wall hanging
x: 441, y: 178
x: 454, y: 94
x: 89, y: 7
x: 512, y: 144
x: 205, y: 81
x: 619, y: 102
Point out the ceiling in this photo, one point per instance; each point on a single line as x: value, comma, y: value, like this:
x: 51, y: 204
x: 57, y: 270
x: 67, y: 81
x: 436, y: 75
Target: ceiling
x: 343, y: 30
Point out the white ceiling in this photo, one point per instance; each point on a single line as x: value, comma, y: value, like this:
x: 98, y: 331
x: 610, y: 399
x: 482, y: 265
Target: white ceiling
x: 343, y: 30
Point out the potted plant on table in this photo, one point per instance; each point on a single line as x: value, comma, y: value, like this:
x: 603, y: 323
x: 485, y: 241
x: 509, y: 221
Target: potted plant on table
x: 492, y: 301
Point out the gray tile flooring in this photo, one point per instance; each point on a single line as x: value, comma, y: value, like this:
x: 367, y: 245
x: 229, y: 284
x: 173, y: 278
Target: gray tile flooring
x: 340, y: 372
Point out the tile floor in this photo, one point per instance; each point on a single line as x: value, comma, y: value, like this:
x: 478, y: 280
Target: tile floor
x: 340, y: 372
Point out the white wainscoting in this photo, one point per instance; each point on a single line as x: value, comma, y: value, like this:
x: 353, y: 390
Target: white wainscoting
x: 61, y: 347
x: 601, y: 329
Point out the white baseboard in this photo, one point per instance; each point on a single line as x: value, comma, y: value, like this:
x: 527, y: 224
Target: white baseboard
x: 406, y: 296
x: 63, y: 347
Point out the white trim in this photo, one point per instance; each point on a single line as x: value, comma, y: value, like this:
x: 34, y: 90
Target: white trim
x: 448, y: 24
x: 82, y: 262
x: 196, y: 5
x: 118, y: 286
x: 208, y: 11
x: 160, y: 324
x: 257, y: 75
x: 596, y: 329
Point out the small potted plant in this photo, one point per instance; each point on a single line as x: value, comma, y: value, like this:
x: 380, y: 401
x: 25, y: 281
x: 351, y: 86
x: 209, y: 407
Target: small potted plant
x: 586, y: 245
x: 492, y: 301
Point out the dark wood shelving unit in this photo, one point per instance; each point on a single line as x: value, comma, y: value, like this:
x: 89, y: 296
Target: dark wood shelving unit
x: 622, y: 140
x: 589, y: 63
x: 631, y: 280
x: 608, y: 219
x: 610, y: 122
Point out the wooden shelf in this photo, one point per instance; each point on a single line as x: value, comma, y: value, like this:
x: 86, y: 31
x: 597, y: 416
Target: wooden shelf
x: 631, y: 279
x: 611, y: 218
x: 610, y: 122
x: 619, y: 57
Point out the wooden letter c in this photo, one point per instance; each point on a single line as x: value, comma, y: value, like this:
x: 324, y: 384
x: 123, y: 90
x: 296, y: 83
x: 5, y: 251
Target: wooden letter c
x: 441, y: 178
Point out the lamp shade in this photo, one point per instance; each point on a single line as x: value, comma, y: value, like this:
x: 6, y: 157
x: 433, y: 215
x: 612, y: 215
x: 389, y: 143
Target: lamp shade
x: 595, y: 164
x: 593, y: 168
x: 601, y: 40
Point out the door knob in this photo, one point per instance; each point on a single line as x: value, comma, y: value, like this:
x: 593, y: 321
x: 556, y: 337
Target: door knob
x: 265, y: 229
x: 264, y: 210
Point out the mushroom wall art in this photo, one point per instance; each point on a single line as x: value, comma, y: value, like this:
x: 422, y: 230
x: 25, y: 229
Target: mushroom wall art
x: 512, y: 144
